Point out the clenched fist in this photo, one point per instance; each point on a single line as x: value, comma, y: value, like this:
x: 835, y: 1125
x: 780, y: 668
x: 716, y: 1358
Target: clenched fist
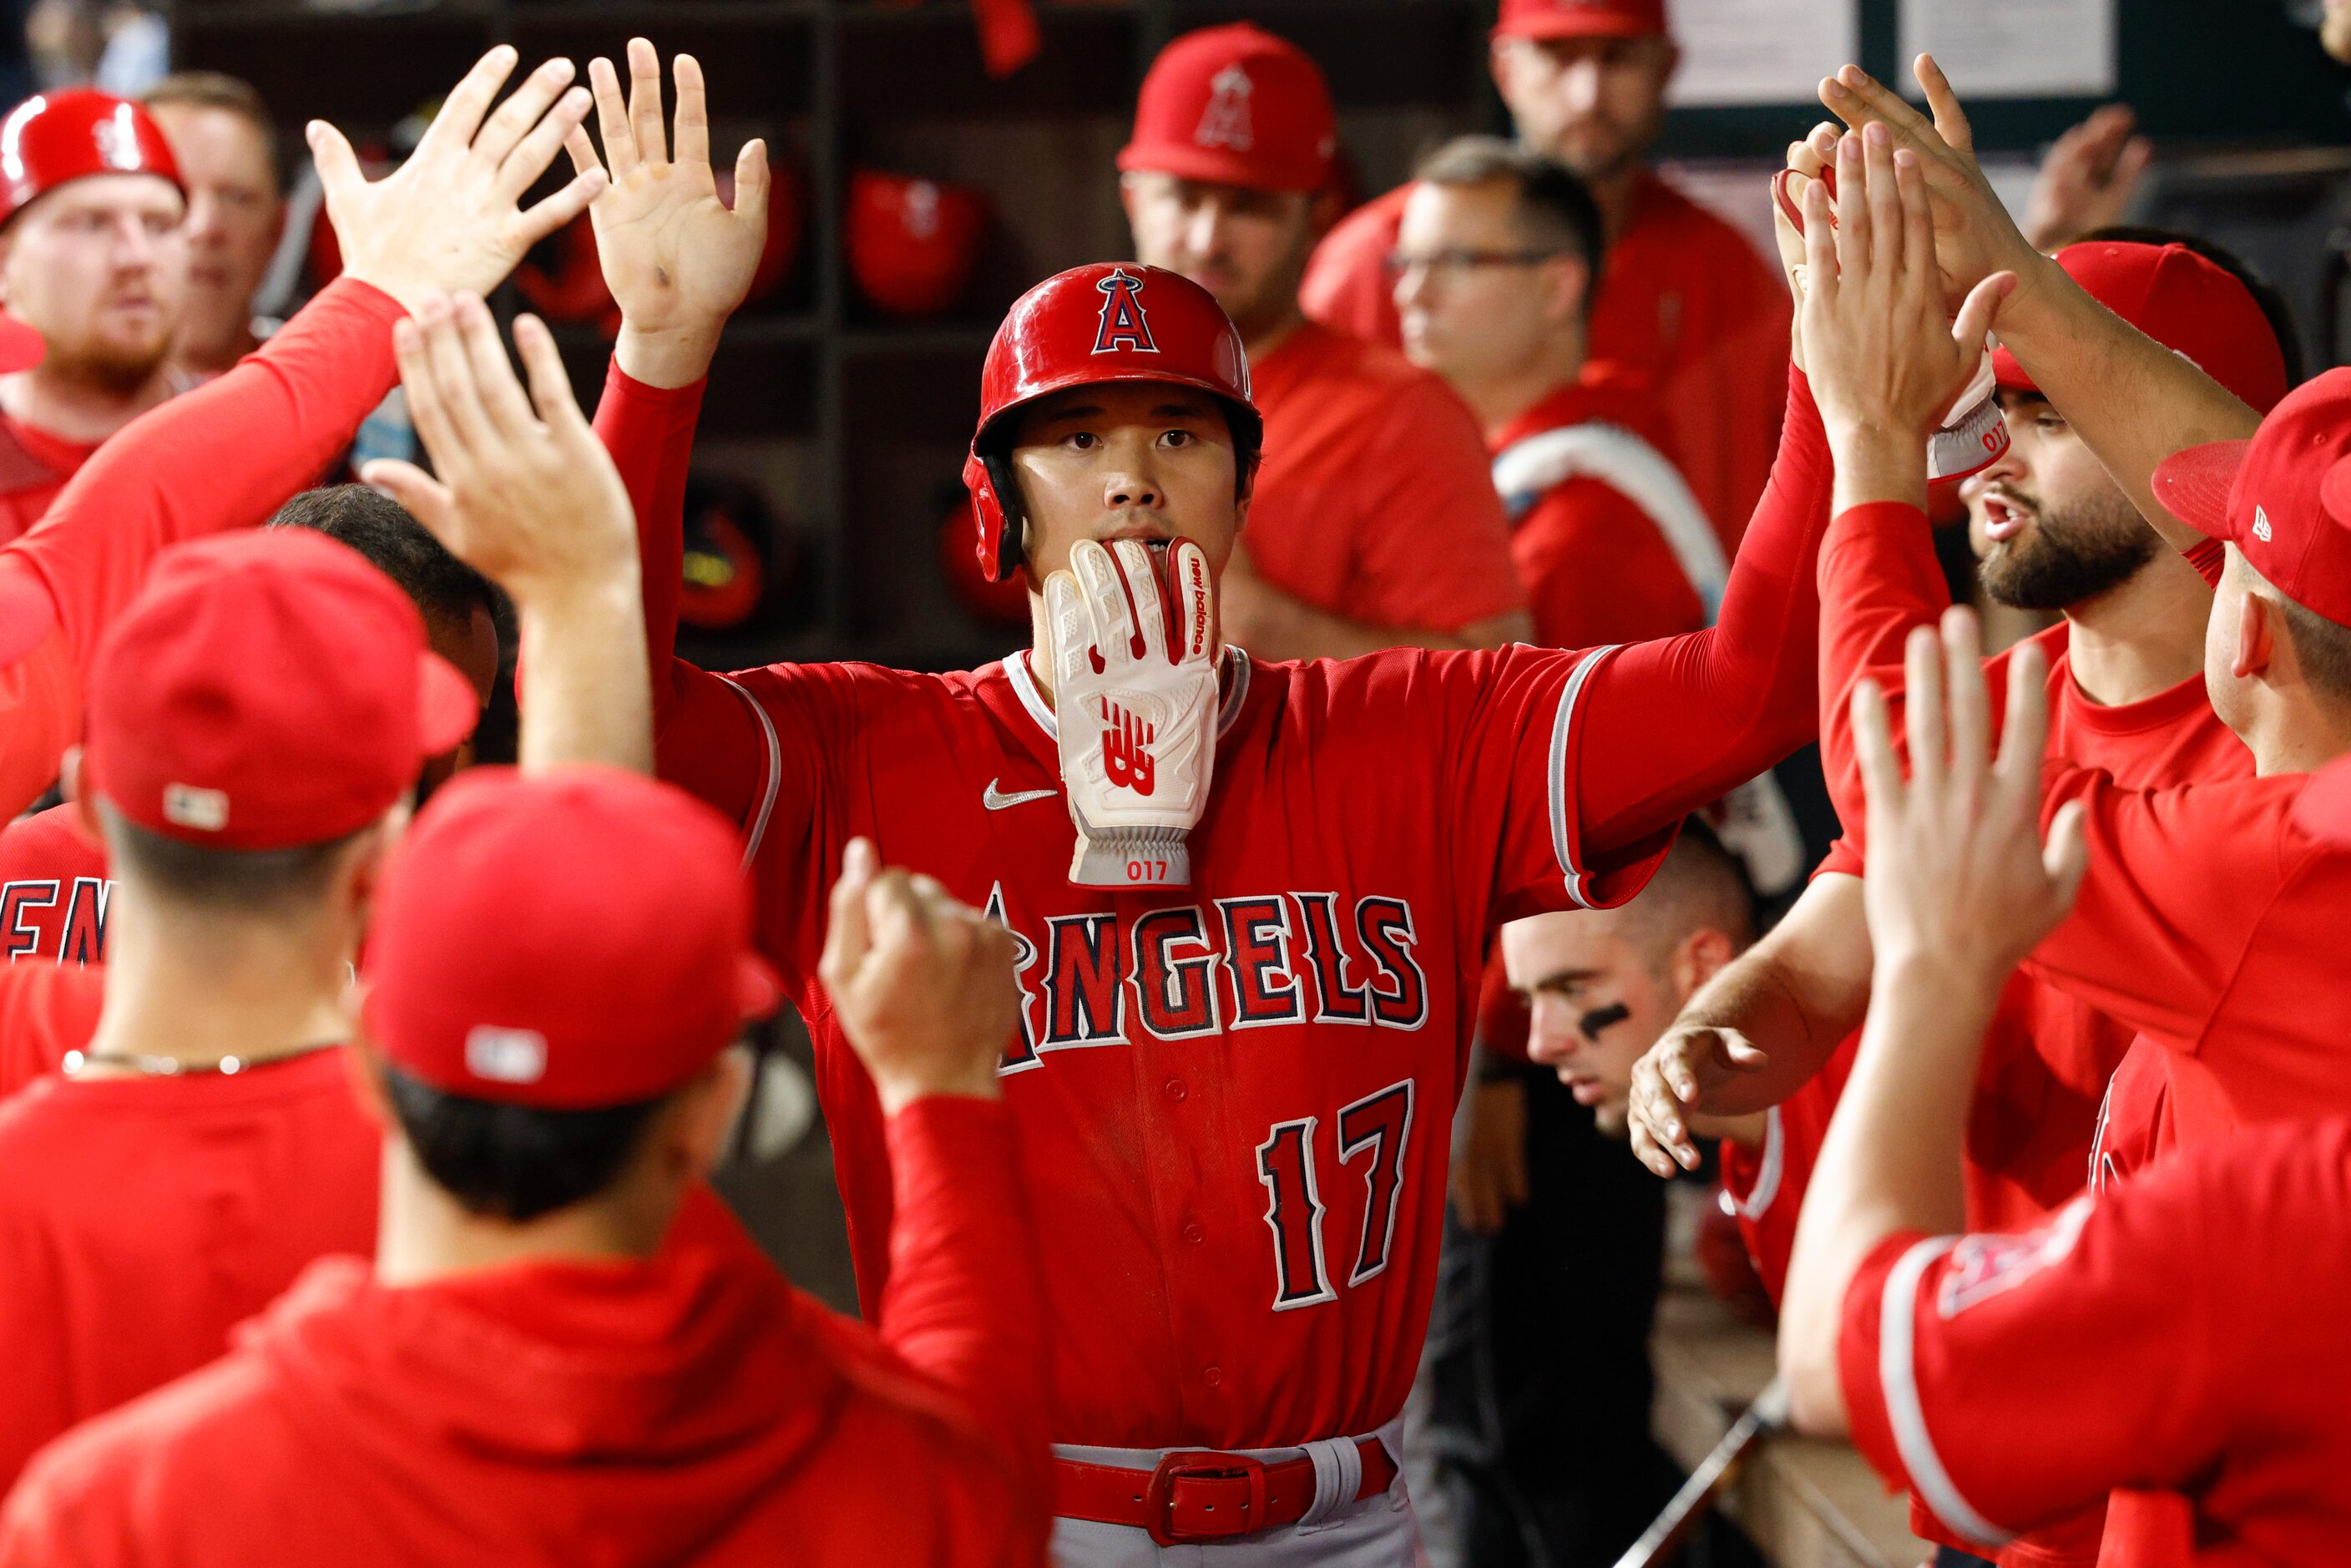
x: 923, y: 984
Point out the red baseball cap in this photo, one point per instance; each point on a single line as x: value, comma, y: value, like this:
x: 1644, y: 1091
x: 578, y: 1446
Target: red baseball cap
x: 54, y: 137
x: 2197, y: 309
x: 266, y: 690
x: 2267, y: 495
x: 1582, y: 19
x: 566, y: 940
x: 1236, y: 105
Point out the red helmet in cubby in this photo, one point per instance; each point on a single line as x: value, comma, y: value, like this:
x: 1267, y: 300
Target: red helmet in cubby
x: 1110, y: 321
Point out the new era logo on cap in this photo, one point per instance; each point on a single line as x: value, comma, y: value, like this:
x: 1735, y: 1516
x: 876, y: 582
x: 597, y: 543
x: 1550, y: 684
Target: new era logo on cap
x: 505, y: 1055
x: 2261, y: 525
x: 190, y: 806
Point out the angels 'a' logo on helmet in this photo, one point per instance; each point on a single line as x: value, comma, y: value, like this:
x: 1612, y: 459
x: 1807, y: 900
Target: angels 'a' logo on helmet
x: 1123, y: 324
x: 1226, y: 121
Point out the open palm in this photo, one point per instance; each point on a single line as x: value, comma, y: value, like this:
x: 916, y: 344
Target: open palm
x: 676, y: 258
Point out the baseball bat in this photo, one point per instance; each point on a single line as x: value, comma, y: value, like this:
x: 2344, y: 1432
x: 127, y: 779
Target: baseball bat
x: 1672, y: 1527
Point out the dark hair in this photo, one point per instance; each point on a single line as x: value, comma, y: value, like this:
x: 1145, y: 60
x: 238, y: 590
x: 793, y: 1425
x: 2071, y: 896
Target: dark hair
x: 216, y: 89
x: 379, y: 528
x: 245, y: 882
x: 2274, y: 308
x: 515, y: 1162
x: 1553, y: 205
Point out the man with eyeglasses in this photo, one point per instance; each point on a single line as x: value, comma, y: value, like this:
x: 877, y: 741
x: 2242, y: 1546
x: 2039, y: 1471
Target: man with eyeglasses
x: 1373, y: 524
x: 1683, y: 299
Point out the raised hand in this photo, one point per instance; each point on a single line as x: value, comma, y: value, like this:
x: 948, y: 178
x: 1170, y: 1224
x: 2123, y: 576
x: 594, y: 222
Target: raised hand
x: 1974, y: 235
x: 2089, y: 177
x: 525, y: 494
x: 1886, y: 362
x: 1960, y: 877
x: 924, y: 985
x: 1675, y: 1079
x: 677, y: 259
x: 448, y: 220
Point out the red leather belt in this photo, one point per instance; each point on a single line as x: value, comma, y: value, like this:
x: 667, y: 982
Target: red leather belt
x: 1196, y: 1495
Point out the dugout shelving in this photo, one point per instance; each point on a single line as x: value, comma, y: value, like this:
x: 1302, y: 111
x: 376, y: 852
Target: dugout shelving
x: 852, y: 425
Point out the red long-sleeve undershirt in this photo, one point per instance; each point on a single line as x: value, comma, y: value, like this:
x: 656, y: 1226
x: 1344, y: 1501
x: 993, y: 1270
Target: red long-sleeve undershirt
x: 1674, y: 723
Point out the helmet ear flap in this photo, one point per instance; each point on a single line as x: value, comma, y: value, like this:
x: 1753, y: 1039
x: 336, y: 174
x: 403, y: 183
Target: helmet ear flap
x: 995, y: 503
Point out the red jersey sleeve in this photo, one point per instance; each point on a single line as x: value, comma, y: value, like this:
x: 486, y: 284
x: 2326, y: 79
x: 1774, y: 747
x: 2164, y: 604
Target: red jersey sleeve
x: 1347, y: 286
x: 2178, y: 881
x: 964, y: 1304
x: 41, y: 716
x: 2010, y: 1381
x: 1879, y: 578
x: 1434, y: 536
x: 1599, y: 571
x: 1675, y: 723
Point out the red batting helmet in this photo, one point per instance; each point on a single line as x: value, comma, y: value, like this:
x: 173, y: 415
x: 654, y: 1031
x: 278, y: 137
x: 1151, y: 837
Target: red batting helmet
x: 54, y: 137
x: 1111, y: 321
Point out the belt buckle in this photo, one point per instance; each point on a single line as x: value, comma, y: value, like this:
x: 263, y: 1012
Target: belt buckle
x: 1186, y: 1465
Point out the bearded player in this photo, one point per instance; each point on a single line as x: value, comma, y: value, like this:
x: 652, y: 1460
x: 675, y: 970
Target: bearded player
x: 1251, y: 899
x: 93, y: 255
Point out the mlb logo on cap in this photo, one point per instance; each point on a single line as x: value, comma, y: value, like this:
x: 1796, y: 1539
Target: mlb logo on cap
x: 505, y: 1055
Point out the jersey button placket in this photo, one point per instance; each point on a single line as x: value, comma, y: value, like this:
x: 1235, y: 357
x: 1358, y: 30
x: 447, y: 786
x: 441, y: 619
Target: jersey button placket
x: 1175, y: 1091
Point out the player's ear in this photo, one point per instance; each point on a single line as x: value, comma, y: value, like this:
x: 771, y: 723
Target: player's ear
x: 1702, y: 954
x: 1571, y: 283
x: 2256, y: 634
x: 705, y: 1112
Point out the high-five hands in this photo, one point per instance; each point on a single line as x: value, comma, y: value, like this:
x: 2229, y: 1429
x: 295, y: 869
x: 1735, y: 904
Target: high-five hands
x: 1974, y: 237
x: 924, y: 985
x: 1960, y: 877
x: 448, y: 220
x: 522, y: 490
x: 1886, y: 362
x: 677, y: 259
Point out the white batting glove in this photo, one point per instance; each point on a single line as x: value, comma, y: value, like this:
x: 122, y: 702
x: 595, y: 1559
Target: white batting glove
x: 1136, y: 704
x: 1972, y: 435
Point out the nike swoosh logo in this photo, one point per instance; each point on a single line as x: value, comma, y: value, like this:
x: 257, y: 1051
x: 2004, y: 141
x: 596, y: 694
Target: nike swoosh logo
x: 995, y: 801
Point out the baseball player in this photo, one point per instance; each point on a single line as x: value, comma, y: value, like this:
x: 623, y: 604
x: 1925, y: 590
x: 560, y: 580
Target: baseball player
x: 1245, y: 988
x: 93, y: 257
x: 1371, y: 525
x: 2125, y: 693
x: 2180, y: 1331
x: 225, y: 141
x: 1685, y: 303
x: 231, y: 453
x: 566, y: 1349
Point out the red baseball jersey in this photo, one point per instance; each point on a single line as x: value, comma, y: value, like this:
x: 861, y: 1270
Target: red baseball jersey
x: 1372, y: 501
x: 1608, y: 539
x: 54, y: 889
x: 692, y: 1407
x: 143, y: 1217
x: 1684, y: 302
x: 2050, y: 1055
x: 225, y: 456
x: 1232, y: 1099
x: 2183, y: 1331
x: 45, y: 1010
x: 1764, y: 1184
x: 33, y: 467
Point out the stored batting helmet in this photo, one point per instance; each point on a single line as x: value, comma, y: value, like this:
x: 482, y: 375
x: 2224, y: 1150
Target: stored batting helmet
x: 1111, y: 321
x: 54, y: 137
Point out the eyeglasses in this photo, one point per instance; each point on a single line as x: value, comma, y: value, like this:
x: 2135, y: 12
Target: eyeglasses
x: 1465, y: 260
